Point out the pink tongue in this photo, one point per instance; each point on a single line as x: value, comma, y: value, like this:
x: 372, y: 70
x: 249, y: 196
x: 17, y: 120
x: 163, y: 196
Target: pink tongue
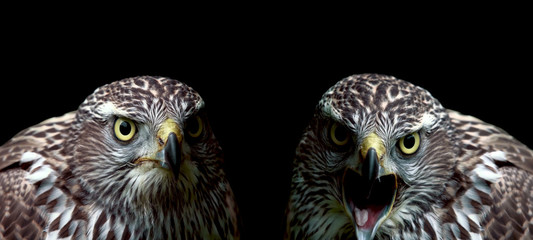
x: 366, y: 218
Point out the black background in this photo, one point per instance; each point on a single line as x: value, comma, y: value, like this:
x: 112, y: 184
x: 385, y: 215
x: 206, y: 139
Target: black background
x: 262, y: 73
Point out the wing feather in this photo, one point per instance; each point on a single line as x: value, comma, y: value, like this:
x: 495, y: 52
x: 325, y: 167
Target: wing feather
x: 511, y: 210
x: 19, y: 218
x: 511, y: 215
x: 33, y: 139
x: 490, y: 138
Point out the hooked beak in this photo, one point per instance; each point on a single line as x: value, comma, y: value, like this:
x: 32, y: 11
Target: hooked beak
x: 368, y: 189
x: 173, y: 153
x: 370, y: 170
x: 169, y: 153
x: 170, y: 135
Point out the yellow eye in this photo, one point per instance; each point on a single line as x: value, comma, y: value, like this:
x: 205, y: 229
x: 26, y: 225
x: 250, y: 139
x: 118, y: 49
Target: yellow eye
x: 409, y: 143
x: 339, y: 135
x: 124, y: 129
x: 195, y: 127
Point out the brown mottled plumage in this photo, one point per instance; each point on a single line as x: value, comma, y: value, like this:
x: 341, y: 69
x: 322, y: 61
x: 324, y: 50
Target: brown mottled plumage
x: 137, y: 160
x: 382, y: 159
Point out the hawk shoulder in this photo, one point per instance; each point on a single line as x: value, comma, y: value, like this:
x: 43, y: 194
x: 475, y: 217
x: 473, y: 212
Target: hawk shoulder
x: 511, y: 202
x: 31, y: 185
x: 478, y: 135
x: 44, y: 137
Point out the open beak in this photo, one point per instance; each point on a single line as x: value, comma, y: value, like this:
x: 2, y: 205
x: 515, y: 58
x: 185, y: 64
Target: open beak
x: 368, y: 189
x: 169, y: 153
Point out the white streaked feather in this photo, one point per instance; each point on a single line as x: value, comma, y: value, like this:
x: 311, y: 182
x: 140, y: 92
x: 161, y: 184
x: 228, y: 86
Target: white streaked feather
x: 105, y: 228
x: 118, y: 230
x: 488, y: 160
x: 52, y: 217
x: 432, y: 219
x: 472, y: 195
x: 72, y: 227
x: 455, y: 230
x: 467, y: 205
x: 56, y: 194
x: 66, y: 215
x: 461, y: 217
x: 474, y: 218
x: 498, y: 156
x: 47, y: 182
x: 469, y: 210
x: 31, y: 157
x: 479, y: 184
x: 53, y: 235
x: 483, y: 172
x: 94, y: 215
x: 38, y: 175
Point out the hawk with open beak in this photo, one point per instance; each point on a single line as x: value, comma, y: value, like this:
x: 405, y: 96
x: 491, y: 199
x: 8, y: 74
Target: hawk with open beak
x: 382, y: 159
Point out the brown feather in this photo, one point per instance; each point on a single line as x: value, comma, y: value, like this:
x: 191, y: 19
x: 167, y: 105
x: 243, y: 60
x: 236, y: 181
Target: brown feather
x: 511, y: 198
x: 491, y: 138
x: 511, y: 215
x: 19, y: 218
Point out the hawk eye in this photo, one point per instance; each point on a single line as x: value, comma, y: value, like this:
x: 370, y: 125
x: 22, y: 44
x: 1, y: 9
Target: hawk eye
x: 124, y: 129
x: 195, y: 127
x: 339, y: 135
x: 409, y: 143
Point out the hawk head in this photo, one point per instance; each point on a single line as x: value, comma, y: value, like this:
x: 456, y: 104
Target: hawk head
x: 143, y: 150
x: 373, y: 159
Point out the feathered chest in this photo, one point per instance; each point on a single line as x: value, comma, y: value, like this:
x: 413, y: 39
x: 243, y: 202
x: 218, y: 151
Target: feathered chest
x: 72, y: 213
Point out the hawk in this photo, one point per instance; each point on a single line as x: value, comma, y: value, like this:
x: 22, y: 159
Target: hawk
x: 137, y: 160
x: 383, y: 159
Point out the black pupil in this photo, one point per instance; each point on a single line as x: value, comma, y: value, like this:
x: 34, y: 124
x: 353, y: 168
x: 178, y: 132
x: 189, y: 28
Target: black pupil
x: 125, y: 128
x: 341, y: 134
x: 193, y: 126
x: 409, y: 142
